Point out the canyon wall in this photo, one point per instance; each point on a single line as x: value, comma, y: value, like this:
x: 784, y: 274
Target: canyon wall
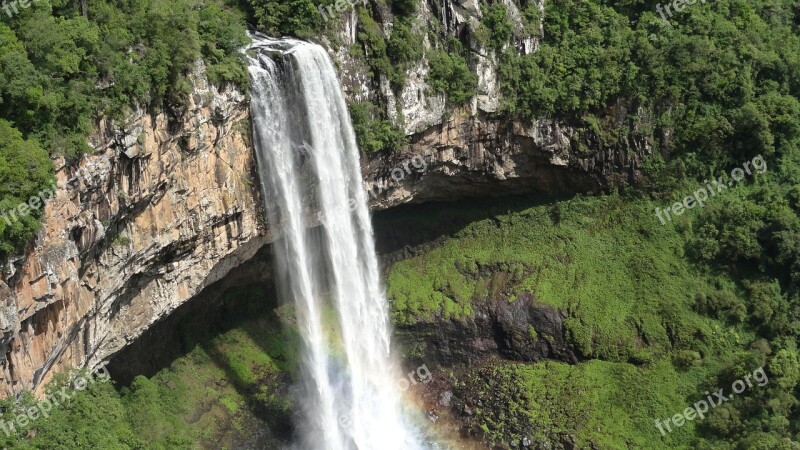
x: 164, y: 207
x: 159, y: 210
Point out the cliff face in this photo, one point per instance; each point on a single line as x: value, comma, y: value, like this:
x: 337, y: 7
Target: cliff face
x: 159, y: 211
x: 475, y: 156
x: 474, y: 150
x: 164, y: 208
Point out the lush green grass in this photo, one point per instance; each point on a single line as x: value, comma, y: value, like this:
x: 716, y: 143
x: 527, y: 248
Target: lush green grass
x: 664, y: 312
x: 212, y: 396
x: 621, y: 275
x: 612, y: 405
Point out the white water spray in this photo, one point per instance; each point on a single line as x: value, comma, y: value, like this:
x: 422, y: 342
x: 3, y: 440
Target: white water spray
x: 309, y: 161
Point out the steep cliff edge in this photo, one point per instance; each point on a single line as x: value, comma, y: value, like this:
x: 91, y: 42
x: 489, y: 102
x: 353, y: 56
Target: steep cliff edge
x: 159, y: 211
x: 164, y: 207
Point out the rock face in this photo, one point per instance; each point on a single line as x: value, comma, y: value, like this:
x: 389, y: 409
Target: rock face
x: 472, y: 151
x: 164, y: 207
x: 158, y: 211
x: 520, y: 331
x: 473, y: 156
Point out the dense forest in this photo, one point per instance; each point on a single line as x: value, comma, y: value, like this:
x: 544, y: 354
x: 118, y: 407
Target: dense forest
x: 712, y: 89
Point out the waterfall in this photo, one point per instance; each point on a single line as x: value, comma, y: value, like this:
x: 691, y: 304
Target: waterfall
x: 308, y: 164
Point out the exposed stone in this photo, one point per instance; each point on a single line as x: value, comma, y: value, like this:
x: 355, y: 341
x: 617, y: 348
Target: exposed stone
x: 151, y: 196
x: 475, y: 156
x: 421, y: 109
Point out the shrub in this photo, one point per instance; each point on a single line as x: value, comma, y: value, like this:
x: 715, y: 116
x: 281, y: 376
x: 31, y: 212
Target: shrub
x: 25, y: 172
x: 374, y: 133
x: 451, y: 75
x: 686, y: 359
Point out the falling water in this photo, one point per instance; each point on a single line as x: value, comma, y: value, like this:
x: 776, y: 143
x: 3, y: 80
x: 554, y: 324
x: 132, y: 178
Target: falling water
x: 309, y: 168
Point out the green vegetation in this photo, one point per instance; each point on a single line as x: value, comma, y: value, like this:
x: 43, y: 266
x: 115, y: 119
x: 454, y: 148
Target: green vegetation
x: 614, y: 405
x: 718, y: 86
x: 299, y: 18
x: 61, y: 69
x: 227, y: 390
x: 658, y: 314
x: 599, y: 402
x: 585, y: 256
x: 392, y: 56
x: 714, y: 293
x: 450, y: 73
x: 25, y: 170
x: 374, y: 134
x: 495, y: 30
x: 93, y: 418
x: 374, y: 49
x: 403, y: 48
x: 121, y: 240
x: 694, y: 305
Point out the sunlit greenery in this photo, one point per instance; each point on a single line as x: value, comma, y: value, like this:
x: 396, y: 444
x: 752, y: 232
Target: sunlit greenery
x: 658, y: 316
x: 450, y: 74
x: 719, y: 85
x: 224, y: 391
x: 374, y: 133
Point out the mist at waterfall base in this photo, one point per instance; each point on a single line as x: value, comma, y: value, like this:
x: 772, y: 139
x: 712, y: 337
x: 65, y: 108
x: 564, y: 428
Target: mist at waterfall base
x: 308, y: 164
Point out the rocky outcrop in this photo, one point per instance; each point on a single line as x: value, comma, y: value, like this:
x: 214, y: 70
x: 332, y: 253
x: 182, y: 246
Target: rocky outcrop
x: 473, y: 150
x: 475, y: 156
x: 521, y: 330
x: 159, y: 210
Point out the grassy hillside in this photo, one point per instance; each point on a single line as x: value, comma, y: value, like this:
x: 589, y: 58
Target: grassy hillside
x: 659, y: 321
x: 609, y: 404
x: 586, y: 256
